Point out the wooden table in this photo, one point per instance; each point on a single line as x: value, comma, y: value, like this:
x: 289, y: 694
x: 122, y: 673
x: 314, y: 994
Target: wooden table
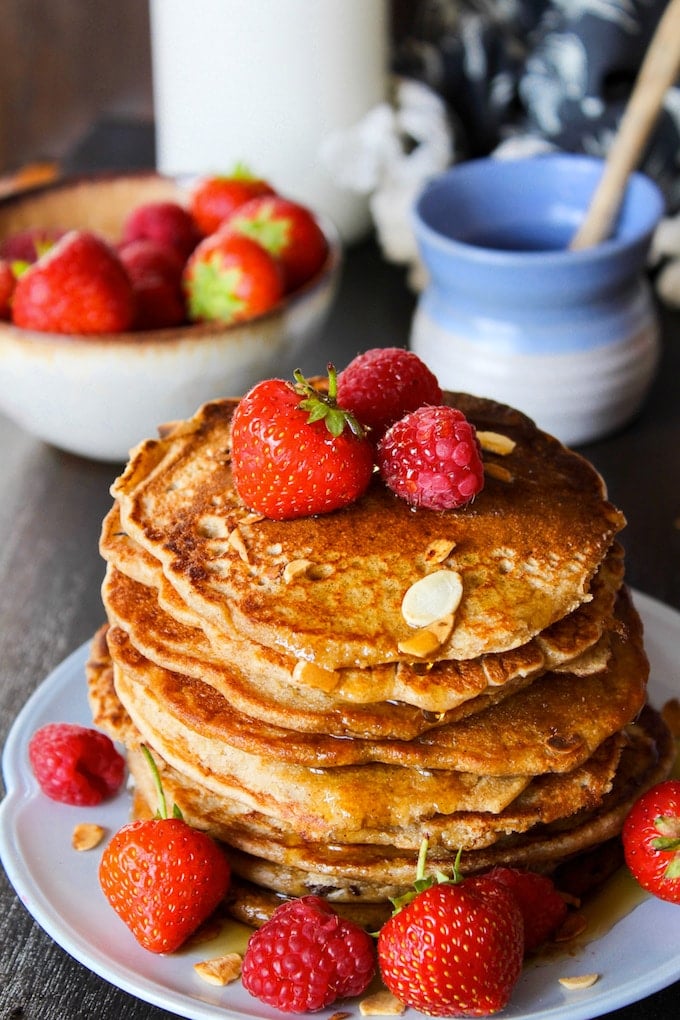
x: 51, y: 507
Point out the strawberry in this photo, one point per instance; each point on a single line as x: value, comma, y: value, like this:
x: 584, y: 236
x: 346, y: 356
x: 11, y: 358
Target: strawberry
x: 163, y: 877
x: 156, y: 276
x: 286, y: 229
x: 75, y: 764
x: 453, y: 948
x: 306, y: 956
x: 295, y: 452
x: 380, y: 386
x: 431, y: 458
x: 168, y: 223
x: 79, y: 286
x: 543, y: 909
x: 213, y: 199
x: 651, y: 840
x: 29, y: 244
x: 7, y: 285
x: 229, y: 278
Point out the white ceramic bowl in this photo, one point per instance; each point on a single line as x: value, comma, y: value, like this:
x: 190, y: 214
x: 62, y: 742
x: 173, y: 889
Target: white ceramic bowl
x: 100, y: 396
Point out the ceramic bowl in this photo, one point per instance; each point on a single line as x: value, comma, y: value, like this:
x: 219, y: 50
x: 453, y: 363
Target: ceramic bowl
x: 509, y: 312
x: 99, y: 396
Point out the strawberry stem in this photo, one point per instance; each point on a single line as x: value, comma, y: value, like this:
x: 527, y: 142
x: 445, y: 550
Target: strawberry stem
x: 162, y: 811
x: 324, y: 406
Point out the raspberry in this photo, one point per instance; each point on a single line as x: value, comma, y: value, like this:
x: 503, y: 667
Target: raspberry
x: 543, y: 909
x: 306, y: 956
x: 431, y: 458
x: 383, y: 384
x: 74, y: 764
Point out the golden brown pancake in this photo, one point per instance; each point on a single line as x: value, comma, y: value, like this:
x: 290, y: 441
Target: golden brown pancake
x: 526, y: 549
x: 260, y: 681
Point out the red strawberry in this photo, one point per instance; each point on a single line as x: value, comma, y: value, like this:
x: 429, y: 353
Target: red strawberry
x: 295, y: 452
x: 380, y: 386
x: 29, y: 244
x: 168, y: 223
x: 213, y: 199
x: 306, y: 956
x: 75, y: 764
x: 230, y: 278
x: 431, y: 458
x: 453, y: 949
x: 156, y: 276
x: 286, y: 229
x: 79, y: 286
x: 543, y: 909
x: 163, y: 878
x: 7, y: 285
x: 651, y: 840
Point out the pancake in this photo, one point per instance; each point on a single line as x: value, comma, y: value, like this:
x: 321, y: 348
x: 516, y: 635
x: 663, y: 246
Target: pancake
x: 526, y: 548
x: 271, y: 670
x: 553, y: 725
x: 262, y: 682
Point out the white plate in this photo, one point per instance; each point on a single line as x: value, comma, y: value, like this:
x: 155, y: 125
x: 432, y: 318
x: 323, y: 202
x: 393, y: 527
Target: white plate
x: 59, y: 887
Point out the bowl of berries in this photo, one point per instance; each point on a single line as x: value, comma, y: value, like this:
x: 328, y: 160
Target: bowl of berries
x: 128, y: 300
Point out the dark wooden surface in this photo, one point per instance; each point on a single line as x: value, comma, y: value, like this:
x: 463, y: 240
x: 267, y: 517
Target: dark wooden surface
x: 51, y: 507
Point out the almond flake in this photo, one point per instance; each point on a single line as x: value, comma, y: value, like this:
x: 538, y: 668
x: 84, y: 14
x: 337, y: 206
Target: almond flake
x: 498, y: 471
x: 579, y: 982
x: 574, y: 924
x: 427, y: 640
x: 295, y: 569
x: 432, y: 597
x: 439, y: 550
x: 87, y: 835
x: 221, y: 970
x: 671, y: 716
x: 381, y: 1003
x: 495, y: 442
x: 310, y: 675
x: 236, y: 542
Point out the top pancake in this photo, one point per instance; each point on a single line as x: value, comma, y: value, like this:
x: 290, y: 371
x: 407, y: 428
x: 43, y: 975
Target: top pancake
x: 526, y: 548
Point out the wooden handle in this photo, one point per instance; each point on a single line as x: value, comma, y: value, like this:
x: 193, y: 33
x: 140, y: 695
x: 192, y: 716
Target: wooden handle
x: 659, y: 70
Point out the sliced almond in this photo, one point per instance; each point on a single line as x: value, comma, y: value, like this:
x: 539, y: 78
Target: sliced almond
x: 221, y: 970
x: 236, y: 542
x: 498, y: 471
x: 579, y: 982
x: 310, y: 675
x: 574, y: 925
x: 671, y: 716
x: 381, y: 1003
x: 439, y: 550
x: 433, y: 597
x: 427, y: 640
x: 295, y: 569
x: 496, y: 442
x: 86, y: 836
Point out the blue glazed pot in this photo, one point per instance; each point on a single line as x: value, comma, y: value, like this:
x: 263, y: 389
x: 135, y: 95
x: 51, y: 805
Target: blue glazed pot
x: 570, y: 338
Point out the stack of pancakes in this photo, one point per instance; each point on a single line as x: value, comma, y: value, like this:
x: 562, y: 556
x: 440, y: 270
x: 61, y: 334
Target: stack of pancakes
x: 299, y: 712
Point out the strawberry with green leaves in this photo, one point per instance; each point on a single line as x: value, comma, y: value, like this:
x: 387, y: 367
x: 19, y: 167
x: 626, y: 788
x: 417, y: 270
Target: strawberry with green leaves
x: 295, y: 452
x: 288, y: 231
x: 452, y: 948
x: 651, y: 840
x: 213, y: 199
x: 230, y: 278
x: 78, y: 286
x: 163, y: 877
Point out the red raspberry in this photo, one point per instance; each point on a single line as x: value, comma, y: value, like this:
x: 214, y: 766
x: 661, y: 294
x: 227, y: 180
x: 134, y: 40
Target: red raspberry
x: 74, y: 764
x: 431, y: 458
x: 168, y: 223
x: 306, y: 956
x: 383, y: 384
x: 543, y: 909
